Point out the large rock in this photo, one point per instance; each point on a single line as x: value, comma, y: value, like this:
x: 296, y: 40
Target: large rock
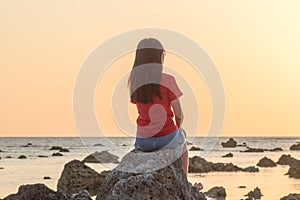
x: 36, y: 192
x: 101, y: 157
x: 77, y: 176
x: 200, y: 165
x: 295, y: 147
x: 293, y: 196
x: 153, y: 175
x: 266, y: 162
x: 230, y: 143
x: 216, y: 192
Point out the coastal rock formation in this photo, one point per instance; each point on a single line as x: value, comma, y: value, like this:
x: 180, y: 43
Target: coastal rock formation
x: 200, y: 165
x: 255, y: 194
x: 61, y: 149
x: 266, y: 162
x: 42, y: 192
x: 193, y: 148
x: 101, y: 157
x: 153, y: 175
x: 274, y: 149
x: 229, y: 155
x: 287, y: 160
x: 230, y: 143
x: 294, y: 171
x: 293, y: 196
x: 216, y: 192
x: 57, y: 154
x: 77, y: 176
x: 36, y: 191
x: 295, y: 147
x: 252, y: 150
x: 251, y: 169
x: 22, y: 157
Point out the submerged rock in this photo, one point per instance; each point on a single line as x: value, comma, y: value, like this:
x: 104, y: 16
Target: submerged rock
x: 216, y: 192
x: 229, y: 155
x: 293, y: 196
x: 36, y: 192
x: 255, y: 194
x: 200, y: 165
x: 193, y: 148
x: 251, y: 150
x: 153, y: 175
x: 266, y: 162
x: 77, y: 176
x: 61, y: 149
x: 230, y: 143
x: 57, y: 154
x: 295, y: 147
x: 101, y: 157
x: 22, y: 157
x: 274, y: 149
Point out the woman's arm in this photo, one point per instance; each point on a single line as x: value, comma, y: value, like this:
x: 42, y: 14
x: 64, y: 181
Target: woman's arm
x: 177, y: 112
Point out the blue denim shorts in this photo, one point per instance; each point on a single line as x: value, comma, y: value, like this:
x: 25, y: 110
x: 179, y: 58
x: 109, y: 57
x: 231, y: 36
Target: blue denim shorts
x: 171, y: 141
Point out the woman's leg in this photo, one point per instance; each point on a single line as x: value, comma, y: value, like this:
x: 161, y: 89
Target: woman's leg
x: 185, y: 158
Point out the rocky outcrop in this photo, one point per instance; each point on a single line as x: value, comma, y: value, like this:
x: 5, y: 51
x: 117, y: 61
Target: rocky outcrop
x: 295, y: 147
x: 57, y: 154
x: 153, y: 175
x: 274, y: 149
x: 287, y: 160
x: 255, y: 194
x: 101, y: 157
x: 77, y: 176
x: 251, y: 169
x: 229, y: 155
x: 193, y: 148
x: 200, y: 165
x: 61, y: 149
x: 294, y: 171
x: 230, y: 143
x: 253, y: 150
x: 41, y: 192
x: 22, y: 157
x: 38, y: 192
x: 266, y: 162
x: 216, y: 192
x: 293, y: 196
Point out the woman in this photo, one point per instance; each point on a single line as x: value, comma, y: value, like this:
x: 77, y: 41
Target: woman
x: 155, y: 95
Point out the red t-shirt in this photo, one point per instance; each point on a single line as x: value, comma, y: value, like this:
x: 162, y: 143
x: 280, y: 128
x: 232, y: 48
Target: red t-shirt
x: 156, y: 119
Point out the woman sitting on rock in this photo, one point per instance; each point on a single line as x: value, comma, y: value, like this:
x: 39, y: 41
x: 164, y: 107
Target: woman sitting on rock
x: 154, y: 93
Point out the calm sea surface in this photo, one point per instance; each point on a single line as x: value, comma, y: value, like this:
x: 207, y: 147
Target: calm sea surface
x: 272, y: 181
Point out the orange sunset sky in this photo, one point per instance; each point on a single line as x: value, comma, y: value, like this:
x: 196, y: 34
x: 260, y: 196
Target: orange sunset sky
x: 254, y: 44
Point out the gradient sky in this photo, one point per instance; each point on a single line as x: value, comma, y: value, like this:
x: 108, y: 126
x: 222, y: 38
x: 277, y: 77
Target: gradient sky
x: 254, y: 44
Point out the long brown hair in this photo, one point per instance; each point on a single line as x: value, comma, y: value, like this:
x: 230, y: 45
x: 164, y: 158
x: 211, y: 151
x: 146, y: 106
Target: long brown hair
x: 145, y: 76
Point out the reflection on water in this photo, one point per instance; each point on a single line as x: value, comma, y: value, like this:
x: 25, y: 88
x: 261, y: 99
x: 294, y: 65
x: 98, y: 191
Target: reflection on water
x: 272, y: 181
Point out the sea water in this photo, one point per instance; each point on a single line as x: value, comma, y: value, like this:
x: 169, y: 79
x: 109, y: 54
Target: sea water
x: 272, y: 181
